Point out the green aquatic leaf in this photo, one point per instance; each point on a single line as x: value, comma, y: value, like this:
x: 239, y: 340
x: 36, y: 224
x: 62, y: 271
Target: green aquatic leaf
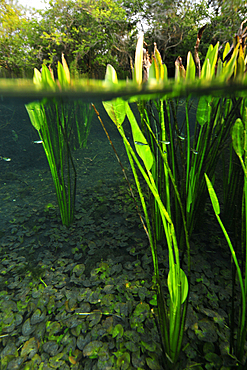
x: 226, y: 50
x: 140, y: 141
x: 36, y: 114
x: 213, y: 196
x: 47, y: 79
x: 62, y: 78
x: 238, y: 137
x: 37, y: 79
x: 212, y: 56
x: 177, y: 278
x: 118, y: 331
x: 190, y: 68
x: 116, y: 109
x: 206, y: 70
x: 92, y: 348
x: 202, y: 110
x: 228, y: 69
x: 123, y: 361
x: 138, y: 60
x: 66, y: 69
x: 111, y: 75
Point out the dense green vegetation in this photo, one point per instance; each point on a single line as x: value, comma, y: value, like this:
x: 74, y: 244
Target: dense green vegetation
x: 93, y: 33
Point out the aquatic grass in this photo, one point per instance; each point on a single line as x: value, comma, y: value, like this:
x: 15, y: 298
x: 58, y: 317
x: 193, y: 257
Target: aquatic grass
x: 191, y: 147
x: 61, y: 125
x: 50, y: 117
x: 239, y: 145
x: 50, y: 120
x: 82, y: 114
x: 171, y: 326
x: 170, y: 153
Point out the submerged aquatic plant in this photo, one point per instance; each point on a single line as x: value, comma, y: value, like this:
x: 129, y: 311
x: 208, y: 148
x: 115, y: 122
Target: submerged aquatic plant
x: 57, y: 126
x: 173, y: 166
x: 171, y: 160
x: 50, y: 120
x: 240, y: 147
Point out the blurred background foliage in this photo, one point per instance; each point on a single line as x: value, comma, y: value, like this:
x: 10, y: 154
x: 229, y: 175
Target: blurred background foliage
x: 92, y: 33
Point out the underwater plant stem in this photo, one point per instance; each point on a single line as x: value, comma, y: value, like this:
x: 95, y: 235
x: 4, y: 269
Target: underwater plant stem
x: 243, y: 295
x: 124, y: 172
x: 177, y: 196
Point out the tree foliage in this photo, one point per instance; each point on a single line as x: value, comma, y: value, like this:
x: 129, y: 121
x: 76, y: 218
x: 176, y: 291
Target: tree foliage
x: 92, y: 33
x: 13, y: 22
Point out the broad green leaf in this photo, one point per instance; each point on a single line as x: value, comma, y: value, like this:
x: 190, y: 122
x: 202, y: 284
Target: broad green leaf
x: 240, y: 63
x: 226, y: 50
x: 165, y: 72
x: 219, y: 68
x: 140, y: 141
x: 111, y: 75
x: 66, y: 69
x: 206, y: 70
x: 238, y: 137
x: 190, y: 68
x: 228, y: 69
x: 36, y: 114
x: 158, y: 65
x: 209, y: 51
x: 118, y: 331
x: 47, y: 79
x: 174, y: 283
x: 138, y: 60
x: 37, y: 79
x: 212, y: 55
x: 141, y: 309
x: 123, y: 361
x: 153, y: 301
x: 213, y: 196
x: 62, y: 76
x: 152, y: 73
x: 202, y: 110
x: 116, y: 109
